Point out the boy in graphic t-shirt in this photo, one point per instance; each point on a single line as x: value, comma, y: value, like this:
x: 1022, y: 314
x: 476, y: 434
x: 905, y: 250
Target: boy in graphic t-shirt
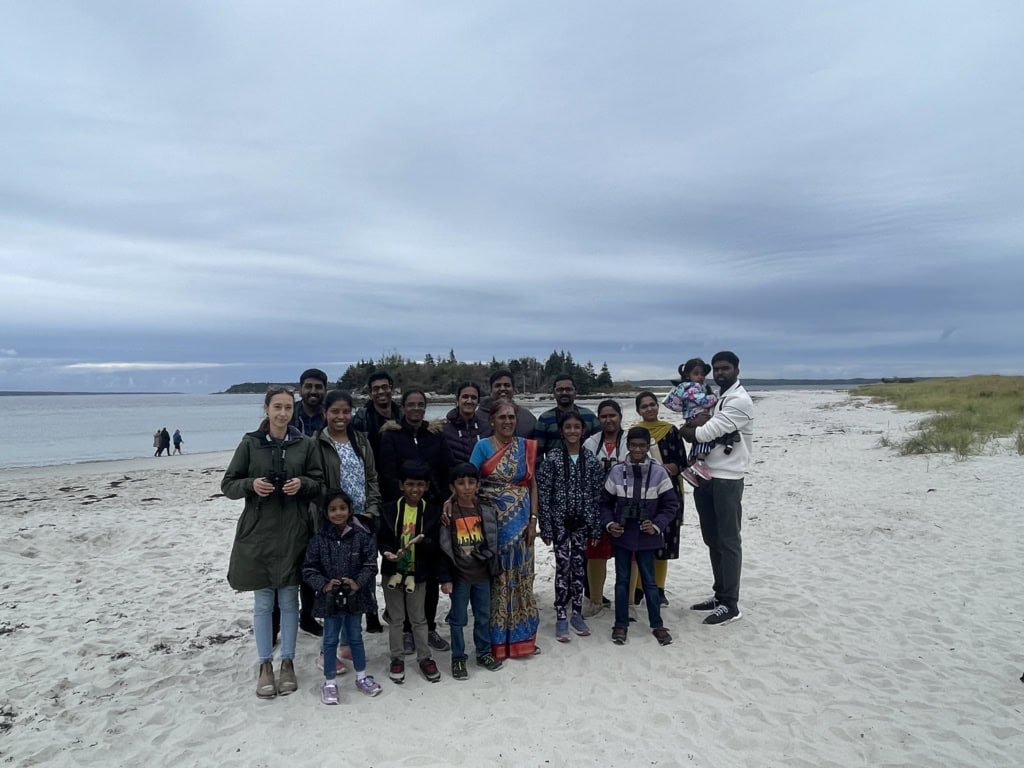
x: 407, y: 539
x: 469, y: 538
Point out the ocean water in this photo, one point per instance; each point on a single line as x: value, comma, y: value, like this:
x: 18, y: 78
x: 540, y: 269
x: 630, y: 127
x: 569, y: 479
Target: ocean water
x: 41, y: 430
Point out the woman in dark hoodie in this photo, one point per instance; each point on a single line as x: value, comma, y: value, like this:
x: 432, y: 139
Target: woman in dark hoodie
x: 462, y: 428
x: 415, y: 440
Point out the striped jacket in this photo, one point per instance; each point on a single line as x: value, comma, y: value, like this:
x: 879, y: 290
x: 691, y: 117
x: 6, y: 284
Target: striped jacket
x: 634, y: 493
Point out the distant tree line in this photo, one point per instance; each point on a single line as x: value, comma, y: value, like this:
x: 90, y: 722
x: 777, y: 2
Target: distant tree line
x: 444, y: 374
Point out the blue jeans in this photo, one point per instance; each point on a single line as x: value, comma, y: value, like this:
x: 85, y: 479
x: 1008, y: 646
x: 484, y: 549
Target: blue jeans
x: 262, y: 623
x: 479, y: 596
x: 645, y: 565
x: 335, y: 626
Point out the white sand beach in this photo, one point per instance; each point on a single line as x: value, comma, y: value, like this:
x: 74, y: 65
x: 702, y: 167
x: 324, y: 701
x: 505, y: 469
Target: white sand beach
x: 882, y: 602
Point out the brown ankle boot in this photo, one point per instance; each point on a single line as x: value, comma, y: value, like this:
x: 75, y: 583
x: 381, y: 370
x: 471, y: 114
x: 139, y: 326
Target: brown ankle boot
x: 286, y: 682
x: 265, y: 687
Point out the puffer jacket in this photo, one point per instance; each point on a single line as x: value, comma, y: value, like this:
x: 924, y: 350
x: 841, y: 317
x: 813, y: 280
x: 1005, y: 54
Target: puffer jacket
x: 462, y: 435
x: 400, y: 443
x: 348, y: 555
x: 569, y: 494
x: 272, y: 532
x: 652, y: 496
x: 332, y: 469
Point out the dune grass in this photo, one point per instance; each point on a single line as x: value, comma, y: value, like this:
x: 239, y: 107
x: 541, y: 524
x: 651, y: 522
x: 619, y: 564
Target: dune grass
x: 967, y: 412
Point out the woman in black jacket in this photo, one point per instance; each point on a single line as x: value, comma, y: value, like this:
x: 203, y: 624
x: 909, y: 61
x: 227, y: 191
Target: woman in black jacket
x: 462, y: 427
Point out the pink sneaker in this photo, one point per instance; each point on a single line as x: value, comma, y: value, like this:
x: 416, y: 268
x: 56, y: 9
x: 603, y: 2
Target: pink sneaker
x: 340, y: 667
x: 701, y: 470
x: 329, y: 693
x: 691, y: 477
x: 368, y: 685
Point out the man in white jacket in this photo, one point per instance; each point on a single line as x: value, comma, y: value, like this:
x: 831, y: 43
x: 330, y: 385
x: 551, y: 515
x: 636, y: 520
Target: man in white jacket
x: 730, y: 427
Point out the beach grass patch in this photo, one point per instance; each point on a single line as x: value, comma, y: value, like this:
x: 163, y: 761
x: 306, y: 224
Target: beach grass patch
x: 969, y: 412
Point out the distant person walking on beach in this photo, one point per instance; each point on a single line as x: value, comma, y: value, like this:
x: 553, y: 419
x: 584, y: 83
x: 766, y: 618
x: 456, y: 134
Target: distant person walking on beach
x: 165, y: 442
x: 718, y: 503
x: 278, y: 473
x: 156, y: 443
x: 177, y: 441
x: 309, y: 411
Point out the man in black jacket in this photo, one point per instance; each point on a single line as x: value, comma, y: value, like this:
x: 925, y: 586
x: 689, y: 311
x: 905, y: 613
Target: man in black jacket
x: 378, y: 410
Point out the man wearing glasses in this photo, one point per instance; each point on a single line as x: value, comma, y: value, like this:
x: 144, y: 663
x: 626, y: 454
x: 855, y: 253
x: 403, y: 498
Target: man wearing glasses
x: 379, y: 409
x: 546, y: 433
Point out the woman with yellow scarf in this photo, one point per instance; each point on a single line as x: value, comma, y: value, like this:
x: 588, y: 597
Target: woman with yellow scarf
x: 667, y: 449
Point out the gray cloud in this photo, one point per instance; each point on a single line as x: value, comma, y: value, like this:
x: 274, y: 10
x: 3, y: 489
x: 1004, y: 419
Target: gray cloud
x: 826, y: 190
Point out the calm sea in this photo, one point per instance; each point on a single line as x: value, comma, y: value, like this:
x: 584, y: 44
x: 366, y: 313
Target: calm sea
x: 40, y: 430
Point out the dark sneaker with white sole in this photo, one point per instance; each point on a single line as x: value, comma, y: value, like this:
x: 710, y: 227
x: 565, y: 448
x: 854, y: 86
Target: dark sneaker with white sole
x: 723, y: 614
x: 705, y: 605
x: 459, y: 671
x: 619, y: 635
x: 662, y: 636
x: 397, y: 670
x: 489, y: 661
x: 430, y: 670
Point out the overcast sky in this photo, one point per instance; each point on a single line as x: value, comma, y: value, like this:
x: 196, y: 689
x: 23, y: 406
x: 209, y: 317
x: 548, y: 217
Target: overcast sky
x: 199, y: 193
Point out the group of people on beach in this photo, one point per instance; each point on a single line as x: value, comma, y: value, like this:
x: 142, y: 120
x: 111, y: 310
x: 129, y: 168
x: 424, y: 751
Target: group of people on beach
x: 455, y: 507
x: 162, y: 441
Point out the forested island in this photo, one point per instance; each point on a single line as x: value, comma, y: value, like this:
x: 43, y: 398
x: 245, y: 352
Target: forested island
x: 442, y: 375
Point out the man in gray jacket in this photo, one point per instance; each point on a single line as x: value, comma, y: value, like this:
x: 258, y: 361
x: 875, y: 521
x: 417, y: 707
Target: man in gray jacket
x: 718, y: 502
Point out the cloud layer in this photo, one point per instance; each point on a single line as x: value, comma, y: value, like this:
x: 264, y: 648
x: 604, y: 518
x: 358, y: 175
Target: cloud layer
x: 220, y: 192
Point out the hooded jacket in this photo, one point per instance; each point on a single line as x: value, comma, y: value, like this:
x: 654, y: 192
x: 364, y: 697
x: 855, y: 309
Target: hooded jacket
x: 334, y: 555
x: 400, y: 443
x: 332, y: 469
x: 462, y: 435
x: 427, y: 553
x: 489, y: 518
x: 655, y: 499
x: 569, y: 494
x: 272, y: 532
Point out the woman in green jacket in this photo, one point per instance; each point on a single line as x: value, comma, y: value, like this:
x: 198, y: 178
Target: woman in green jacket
x: 278, y: 472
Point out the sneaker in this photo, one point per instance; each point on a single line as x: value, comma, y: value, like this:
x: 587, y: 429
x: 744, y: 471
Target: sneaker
x: 661, y: 597
x: 705, y: 605
x: 662, y: 636
x: 339, y: 663
x: 266, y: 688
x: 619, y: 634
x: 562, y: 630
x: 430, y: 670
x: 408, y: 644
x: 312, y: 626
x: 459, y: 671
x: 329, y: 693
x: 579, y: 626
x: 590, y: 610
x: 701, y: 470
x: 691, y: 477
x: 368, y: 685
x: 397, y: 671
x: 723, y: 614
x: 489, y: 661
x: 373, y: 625
x: 437, y: 642
x: 286, y: 682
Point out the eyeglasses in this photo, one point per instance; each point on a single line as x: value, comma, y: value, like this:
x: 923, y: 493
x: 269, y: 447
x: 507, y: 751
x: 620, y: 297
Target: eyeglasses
x: 565, y: 389
x: 381, y: 388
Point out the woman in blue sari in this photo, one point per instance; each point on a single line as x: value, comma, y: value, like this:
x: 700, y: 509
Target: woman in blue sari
x: 507, y: 482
